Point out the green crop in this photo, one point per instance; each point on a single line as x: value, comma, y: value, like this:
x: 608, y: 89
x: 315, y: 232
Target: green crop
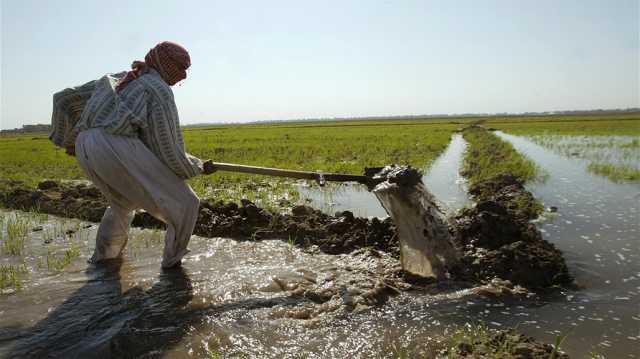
x: 488, y: 156
x: 328, y: 147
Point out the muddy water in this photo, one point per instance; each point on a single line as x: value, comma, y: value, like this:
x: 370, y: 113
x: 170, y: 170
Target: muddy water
x: 426, y: 247
x: 597, y: 226
x: 342, y: 197
x: 234, y: 298
x: 442, y: 179
x: 239, y: 298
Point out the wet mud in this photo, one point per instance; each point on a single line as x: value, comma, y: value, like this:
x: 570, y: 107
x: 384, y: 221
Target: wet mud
x: 494, y: 238
x: 497, y: 238
x: 501, y: 255
x: 423, y: 233
x: 303, y: 226
x: 72, y: 199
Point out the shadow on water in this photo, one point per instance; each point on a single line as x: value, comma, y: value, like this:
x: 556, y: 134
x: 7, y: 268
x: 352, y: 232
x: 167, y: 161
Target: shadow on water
x: 101, y: 320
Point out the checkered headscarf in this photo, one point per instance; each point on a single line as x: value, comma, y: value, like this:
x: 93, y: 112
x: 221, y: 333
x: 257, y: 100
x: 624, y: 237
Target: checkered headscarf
x: 168, y: 58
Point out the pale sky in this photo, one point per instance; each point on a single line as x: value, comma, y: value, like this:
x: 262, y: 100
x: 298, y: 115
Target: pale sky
x: 277, y: 60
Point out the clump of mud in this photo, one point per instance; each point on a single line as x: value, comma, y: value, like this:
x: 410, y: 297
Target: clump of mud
x: 508, y: 191
x: 72, y: 199
x: 497, y: 239
x: 355, y: 282
x: 341, y: 233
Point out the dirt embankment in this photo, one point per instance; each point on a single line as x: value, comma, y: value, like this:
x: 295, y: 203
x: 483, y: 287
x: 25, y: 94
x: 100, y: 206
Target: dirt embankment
x: 494, y: 237
x: 76, y: 200
x: 304, y: 226
x: 498, y: 240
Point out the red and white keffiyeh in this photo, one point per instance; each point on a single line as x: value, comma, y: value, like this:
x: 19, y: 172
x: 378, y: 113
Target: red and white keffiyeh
x: 168, y: 58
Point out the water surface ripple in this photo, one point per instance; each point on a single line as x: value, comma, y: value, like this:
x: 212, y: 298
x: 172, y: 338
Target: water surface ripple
x: 597, y: 227
x: 228, y: 297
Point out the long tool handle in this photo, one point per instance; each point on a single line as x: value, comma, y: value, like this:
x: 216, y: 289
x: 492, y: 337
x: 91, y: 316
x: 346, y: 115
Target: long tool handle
x: 317, y: 176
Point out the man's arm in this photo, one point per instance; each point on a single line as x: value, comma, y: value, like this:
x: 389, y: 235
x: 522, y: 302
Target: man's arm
x: 164, y: 139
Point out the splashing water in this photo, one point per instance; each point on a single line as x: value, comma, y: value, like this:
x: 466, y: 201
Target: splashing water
x: 426, y: 249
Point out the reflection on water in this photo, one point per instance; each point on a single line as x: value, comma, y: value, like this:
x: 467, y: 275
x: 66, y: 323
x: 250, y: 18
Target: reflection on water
x: 617, y: 150
x: 442, y: 179
x: 597, y: 227
x: 226, y: 298
x: 342, y: 197
x: 108, y: 317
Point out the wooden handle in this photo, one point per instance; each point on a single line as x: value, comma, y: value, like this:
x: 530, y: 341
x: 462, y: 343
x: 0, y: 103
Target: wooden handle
x: 317, y: 176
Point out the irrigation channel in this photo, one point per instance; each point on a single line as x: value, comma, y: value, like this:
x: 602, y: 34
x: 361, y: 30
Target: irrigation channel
x: 597, y: 227
x: 442, y: 178
x: 239, y: 297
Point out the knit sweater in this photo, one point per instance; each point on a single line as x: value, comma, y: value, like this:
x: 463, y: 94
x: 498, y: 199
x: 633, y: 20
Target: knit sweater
x: 145, y: 108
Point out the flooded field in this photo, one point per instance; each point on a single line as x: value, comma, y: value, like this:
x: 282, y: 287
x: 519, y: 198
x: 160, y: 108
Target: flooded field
x: 272, y: 298
x: 597, y: 227
x: 615, y: 157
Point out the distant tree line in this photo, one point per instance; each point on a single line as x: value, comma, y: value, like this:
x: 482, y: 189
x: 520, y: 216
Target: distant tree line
x: 436, y: 116
x: 463, y: 115
x: 28, y: 129
x: 47, y: 128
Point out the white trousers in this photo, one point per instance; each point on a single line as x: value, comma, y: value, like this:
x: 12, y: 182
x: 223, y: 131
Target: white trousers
x: 130, y: 176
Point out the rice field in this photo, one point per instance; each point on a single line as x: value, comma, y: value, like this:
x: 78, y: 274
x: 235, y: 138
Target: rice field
x: 611, y: 147
x: 609, y: 143
x: 36, y: 248
x: 615, y: 157
x: 19, y: 257
x: 489, y: 156
x: 595, y: 125
x: 327, y: 147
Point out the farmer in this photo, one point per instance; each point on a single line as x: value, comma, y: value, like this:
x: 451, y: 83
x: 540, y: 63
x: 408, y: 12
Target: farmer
x: 124, y: 131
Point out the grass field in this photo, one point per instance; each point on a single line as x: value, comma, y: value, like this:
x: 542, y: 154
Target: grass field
x: 488, y: 156
x: 329, y: 146
x: 605, y: 125
x: 610, y: 144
